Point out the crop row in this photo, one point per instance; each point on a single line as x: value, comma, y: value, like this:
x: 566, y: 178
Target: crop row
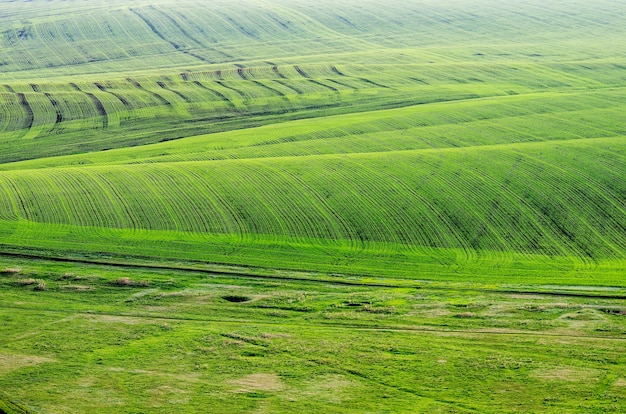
x: 526, y: 200
x: 97, y: 38
x: 471, y: 123
x: 77, y: 114
x: 50, y: 111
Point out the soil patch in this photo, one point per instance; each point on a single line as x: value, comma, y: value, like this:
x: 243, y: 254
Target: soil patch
x: 258, y: 382
x: 10, y: 363
x: 569, y: 374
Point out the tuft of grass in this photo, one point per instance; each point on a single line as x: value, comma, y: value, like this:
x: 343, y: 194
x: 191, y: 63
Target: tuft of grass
x: 128, y: 282
x: 38, y: 284
x: 382, y: 310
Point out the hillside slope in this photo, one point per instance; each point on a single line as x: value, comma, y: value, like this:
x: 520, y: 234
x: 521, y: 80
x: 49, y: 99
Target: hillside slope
x: 412, y: 139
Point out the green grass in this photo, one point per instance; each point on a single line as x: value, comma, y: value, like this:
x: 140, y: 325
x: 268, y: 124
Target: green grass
x: 92, y: 343
x: 501, y: 208
x: 269, y: 206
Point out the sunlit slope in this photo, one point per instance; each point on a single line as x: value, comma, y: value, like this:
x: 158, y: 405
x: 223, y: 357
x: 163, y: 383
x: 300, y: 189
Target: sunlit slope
x: 89, y: 116
x: 560, y: 203
x: 78, y: 76
x: 419, y: 139
x: 48, y: 119
x: 78, y: 36
x: 470, y: 122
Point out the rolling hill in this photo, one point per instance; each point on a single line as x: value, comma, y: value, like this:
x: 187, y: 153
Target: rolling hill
x: 459, y: 146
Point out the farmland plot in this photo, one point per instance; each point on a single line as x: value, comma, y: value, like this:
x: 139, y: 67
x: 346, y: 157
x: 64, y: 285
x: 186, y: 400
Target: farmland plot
x: 256, y: 184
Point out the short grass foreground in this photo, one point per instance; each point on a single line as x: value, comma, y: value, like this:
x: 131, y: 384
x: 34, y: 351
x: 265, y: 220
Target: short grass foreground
x: 312, y: 206
x: 90, y: 338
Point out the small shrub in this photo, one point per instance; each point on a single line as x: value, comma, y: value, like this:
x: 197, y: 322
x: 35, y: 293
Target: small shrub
x: 41, y: 285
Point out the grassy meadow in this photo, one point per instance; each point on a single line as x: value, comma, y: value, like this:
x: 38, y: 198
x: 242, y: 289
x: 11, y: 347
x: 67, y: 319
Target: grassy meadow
x: 279, y: 206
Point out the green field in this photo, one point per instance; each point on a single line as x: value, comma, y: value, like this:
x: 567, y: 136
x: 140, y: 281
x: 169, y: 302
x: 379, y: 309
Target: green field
x: 278, y: 206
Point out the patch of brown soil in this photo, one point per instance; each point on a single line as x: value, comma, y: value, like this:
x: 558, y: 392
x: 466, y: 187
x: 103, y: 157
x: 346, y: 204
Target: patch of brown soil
x: 78, y: 288
x: 116, y: 319
x: 569, y: 374
x: 258, y: 382
x: 268, y: 335
x: 165, y: 389
x: 621, y: 382
x: 10, y: 363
